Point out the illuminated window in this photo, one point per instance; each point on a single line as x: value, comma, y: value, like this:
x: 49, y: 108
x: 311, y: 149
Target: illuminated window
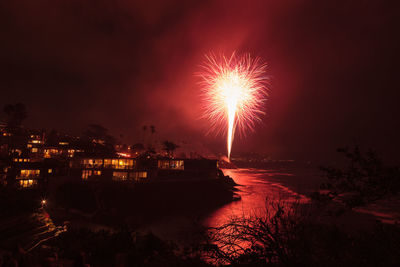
x: 137, y: 176
x: 49, y: 152
x: 176, y: 164
x: 87, y: 163
x: 123, y: 163
x: 114, y: 163
x: 34, y: 150
x: 90, y: 163
x: 21, y: 160
x: 86, y: 174
x: 107, y: 163
x: 50, y: 170
x: 28, y: 145
x: 29, y: 174
x: 98, y: 162
x: 120, y: 176
x: 36, y: 141
x: 171, y: 164
x: 71, y: 153
x: 27, y: 183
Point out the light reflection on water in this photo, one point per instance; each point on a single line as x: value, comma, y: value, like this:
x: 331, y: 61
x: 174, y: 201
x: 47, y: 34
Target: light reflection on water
x: 256, y: 185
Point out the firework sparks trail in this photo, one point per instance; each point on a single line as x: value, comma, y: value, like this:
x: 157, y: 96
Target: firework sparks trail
x: 234, y: 90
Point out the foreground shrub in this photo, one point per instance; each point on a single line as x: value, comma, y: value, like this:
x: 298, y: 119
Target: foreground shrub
x: 292, y: 235
x: 365, y: 179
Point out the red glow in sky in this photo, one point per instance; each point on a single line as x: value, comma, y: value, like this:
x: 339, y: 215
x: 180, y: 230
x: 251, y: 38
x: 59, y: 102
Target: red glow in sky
x: 125, y: 64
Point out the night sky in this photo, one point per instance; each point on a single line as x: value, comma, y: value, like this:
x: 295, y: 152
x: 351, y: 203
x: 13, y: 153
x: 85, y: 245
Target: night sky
x: 122, y: 64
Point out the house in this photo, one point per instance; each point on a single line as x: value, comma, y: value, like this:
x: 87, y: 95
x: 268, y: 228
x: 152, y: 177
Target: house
x: 144, y: 169
x: 187, y: 168
x: 119, y: 169
x: 26, y: 174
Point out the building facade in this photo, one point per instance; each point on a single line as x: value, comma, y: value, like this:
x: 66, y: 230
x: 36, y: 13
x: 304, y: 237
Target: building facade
x: 144, y: 170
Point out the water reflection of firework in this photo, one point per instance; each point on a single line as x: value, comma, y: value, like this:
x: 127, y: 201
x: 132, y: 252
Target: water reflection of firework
x: 234, y: 90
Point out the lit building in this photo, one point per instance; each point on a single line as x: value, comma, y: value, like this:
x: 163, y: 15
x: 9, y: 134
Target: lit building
x: 28, y: 177
x: 186, y: 169
x: 35, y: 144
x: 171, y: 164
x: 119, y: 169
x: 27, y: 174
x: 51, y: 152
x: 140, y: 170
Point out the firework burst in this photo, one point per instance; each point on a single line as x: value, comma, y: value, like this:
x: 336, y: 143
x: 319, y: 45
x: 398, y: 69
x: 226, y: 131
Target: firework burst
x: 234, y: 92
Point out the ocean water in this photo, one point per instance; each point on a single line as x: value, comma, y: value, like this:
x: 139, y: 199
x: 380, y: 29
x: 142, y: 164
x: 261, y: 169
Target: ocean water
x: 256, y: 187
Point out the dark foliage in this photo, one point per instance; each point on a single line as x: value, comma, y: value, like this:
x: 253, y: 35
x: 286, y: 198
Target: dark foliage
x: 120, y: 248
x: 75, y: 195
x: 366, y: 179
x: 97, y: 141
x: 52, y: 138
x: 290, y: 235
x: 14, y: 202
x: 169, y: 147
x: 138, y: 147
x: 15, y: 114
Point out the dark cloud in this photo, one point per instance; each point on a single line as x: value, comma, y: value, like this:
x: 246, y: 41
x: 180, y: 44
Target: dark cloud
x: 124, y: 64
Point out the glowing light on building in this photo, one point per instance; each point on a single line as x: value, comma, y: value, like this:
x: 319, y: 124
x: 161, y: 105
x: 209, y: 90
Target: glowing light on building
x: 125, y: 155
x: 234, y: 90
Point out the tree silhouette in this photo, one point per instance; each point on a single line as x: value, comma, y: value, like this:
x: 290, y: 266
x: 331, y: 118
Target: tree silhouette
x: 144, y: 128
x: 99, y: 140
x: 96, y: 131
x: 138, y: 147
x: 152, y: 131
x: 15, y: 114
x: 170, y: 147
x: 366, y: 179
x: 52, y: 138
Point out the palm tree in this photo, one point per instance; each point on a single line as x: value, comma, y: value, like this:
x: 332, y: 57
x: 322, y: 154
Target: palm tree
x: 144, y: 128
x: 152, y: 131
